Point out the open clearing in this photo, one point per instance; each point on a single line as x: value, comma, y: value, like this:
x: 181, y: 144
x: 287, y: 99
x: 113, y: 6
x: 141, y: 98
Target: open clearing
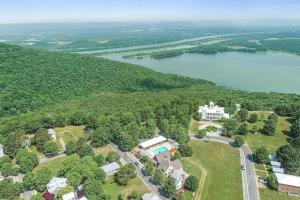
x: 71, y: 131
x: 267, y: 194
x: 223, y: 180
x: 114, y: 190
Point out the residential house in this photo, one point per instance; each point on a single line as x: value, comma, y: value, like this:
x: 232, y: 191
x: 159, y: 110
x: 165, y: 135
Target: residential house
x: 164, y: 156
x: 180, y: 176
x: 69, y: 196
x: 212, y: 112
x: 1, y: 151
x: 52, y: 133
x: 168, y: 166
x: 288, y: 183
x: 56, y: 184
x: 27, y: 195
x: 150, y: 196
x: 111, y: 168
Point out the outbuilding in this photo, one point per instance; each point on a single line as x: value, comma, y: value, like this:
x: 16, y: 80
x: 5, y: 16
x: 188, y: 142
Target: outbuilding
x: 288, y: 183
x: 111, y: 168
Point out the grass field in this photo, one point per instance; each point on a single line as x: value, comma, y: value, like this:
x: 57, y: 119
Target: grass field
x: 114, y: 190
x: 75, y: 131
x: 103, y: 150
x: 222, y: 163
x: 53, y: 165
x: 194, y: 126
x: 266, y: 194
x: 272, y: 143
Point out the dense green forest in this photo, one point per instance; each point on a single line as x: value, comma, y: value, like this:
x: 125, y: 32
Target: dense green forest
x: 31, y: 79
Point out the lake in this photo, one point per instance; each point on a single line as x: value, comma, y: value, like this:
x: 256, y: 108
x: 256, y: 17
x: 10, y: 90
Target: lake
x: 262, y: 72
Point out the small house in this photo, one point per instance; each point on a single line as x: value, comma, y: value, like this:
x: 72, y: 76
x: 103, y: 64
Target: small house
x: 275, y: 164
x: 69, y: 196
x: 52, y: 133
x: 150, y: 196
x: 180, y: 176
x: 111, y: 168
x: 288, y: 183
x: 56, y: 184
x: 277, y: 170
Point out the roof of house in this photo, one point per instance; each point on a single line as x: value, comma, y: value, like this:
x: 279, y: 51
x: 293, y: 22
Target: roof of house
x: 153, y: 141
x: 275, y: 163
x: 68, y: 196
x: 165, y: 164
x: 56, y: 183
x: 110, y: 167
x: 288, y: 179
x: 277, y: 170
x: 163, y: 156
x: 150, y: 196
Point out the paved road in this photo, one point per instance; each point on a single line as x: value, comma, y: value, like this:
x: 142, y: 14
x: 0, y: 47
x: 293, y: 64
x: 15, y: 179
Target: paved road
x: 129, y: 158
x: 250, y: 190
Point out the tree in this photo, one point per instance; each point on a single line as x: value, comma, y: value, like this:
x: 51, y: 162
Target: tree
x: 99, y: 159
x: 124, y: 174
x: 272, y: 182
x: 197, y: 116
x: 192, y: 183
x: 42, y: 177
x: 177, y: 156
x: 74, y: 179
x: 26, y: 160
x: 38, y: 196
x: 40, y: 138
x: 9, y: 190
x: 7, y: 169
x: 229, y: 127
x: 243, y: 129
x: 71, y: 147
x: 50, y: 149
x: 112, y: 156
x: 13, y: 142
x: 253, y: 118
x: 149, y: 168
x: 201, y: 134
x: 243, y: 114
x: 170, y: 188
x: 295, y: 129
x: 159, y: 177
x: 270, y: 125
x: 296, y: 142
x: 29, y: 181
x: 261, y: 155
x: 289, y: 158
x: 86, y: 150
x: 180, y: 135
x: 238, y: 141
x: 126, y: 143
x: 100, y: 137
x: 93, y: 189
x: 186, y: 151
x: 135, y: 196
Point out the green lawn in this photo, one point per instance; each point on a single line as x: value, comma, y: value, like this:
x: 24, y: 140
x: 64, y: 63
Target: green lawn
x: 53, y: 165
x: 103, y: 150
x: 76, y: 131
x: 114, y: 190
x: 272, y: 143
x: 266, y: 194
x: 222, y: 163
x: 194, y: 126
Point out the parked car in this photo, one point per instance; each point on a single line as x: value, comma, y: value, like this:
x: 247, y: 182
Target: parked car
x: 262, y: 179
x: 243, y: 167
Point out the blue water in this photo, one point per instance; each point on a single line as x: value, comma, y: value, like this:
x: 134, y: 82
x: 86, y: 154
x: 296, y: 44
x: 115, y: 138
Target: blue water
x: 160, y: 150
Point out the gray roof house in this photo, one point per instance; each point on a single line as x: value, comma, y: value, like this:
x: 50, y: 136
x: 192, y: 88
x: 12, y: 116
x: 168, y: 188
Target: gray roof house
x: 150, y: 196
x: 180, y: 176
x: 1, y: 151
x: 165, y: 156
x: 169, y: 166
x: 110, y: 168
x: 56, y: 183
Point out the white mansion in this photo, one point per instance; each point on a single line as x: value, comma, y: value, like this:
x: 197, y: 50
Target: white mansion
x: 212, y: 112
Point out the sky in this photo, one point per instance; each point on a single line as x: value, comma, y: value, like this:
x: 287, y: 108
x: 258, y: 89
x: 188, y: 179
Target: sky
x: 18, y: 11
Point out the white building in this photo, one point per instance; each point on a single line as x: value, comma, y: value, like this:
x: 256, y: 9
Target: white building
x: 288, y: 183
x: 69, y: 196
x: 56, y: 183
x: 150, y: 196
x: 111, y: 168
x: 1, y: 151
x: 52, y: 133
x: 212, y: 112
x: 153, y: 142
x: 180, y: 176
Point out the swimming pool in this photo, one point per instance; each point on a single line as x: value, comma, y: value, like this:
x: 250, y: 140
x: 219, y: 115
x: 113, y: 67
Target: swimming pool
x: 160, y: 150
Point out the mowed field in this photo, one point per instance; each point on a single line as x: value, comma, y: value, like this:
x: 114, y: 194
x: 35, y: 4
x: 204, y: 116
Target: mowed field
x: 223, y: 173
x: 266, y: 194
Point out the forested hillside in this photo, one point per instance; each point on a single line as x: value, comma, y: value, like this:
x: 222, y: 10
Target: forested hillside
x: 31, y: 79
